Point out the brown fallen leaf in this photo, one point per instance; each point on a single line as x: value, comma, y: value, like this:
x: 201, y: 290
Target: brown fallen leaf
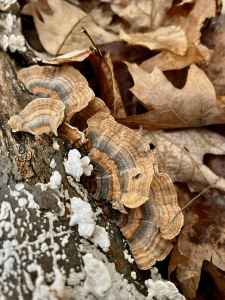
x: 179, y: 153
x: 102, y: 14
x: 217, y: 275
x: 143, y: 13
x: 60, y: 32
x: 109, y: 90
x: 215, y: 70
x: 202, y: 237
x: 221, y: 101
x: 137, y: 14
x: 171, y: 38
x: 160, y: 9
x: 168, y: 107
x: 197, y: 52
x: 175, y: 259
x: 74, y: 56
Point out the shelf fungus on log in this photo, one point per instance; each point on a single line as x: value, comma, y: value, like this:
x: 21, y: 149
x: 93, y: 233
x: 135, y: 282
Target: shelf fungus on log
x: 76, y: 137
x: 123, y: 162
x: 42, y: 115
x: 63, y: 83
x: 127, y: 176
x: 80, y: 118
x: 146, y: 227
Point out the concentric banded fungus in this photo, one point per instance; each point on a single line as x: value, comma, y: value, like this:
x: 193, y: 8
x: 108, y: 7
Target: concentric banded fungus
x: 81, y: 117
x: 42, y: 115
x: 123, y: 165
x: 145, y: 227
x: 75, y: 136
x: 123, y: 162
x: 140, y: 227
x: 163, y: 191
x: 63, y: 83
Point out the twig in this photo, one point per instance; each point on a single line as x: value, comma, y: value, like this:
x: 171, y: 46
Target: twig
x: 205, y: 190
x: 83, y: 30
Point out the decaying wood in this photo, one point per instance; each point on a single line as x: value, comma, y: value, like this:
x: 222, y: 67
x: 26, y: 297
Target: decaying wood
x: 25, y: 158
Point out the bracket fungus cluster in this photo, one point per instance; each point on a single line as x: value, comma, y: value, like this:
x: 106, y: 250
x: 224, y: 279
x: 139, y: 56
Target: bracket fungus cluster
x: 42, y: 115
x: 63, y: 83
x: 123, y: 163
x: 129, y: 179
x: 67, y: 91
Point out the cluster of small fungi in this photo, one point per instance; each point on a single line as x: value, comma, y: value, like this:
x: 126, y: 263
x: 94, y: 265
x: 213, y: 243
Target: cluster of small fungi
x: 123, y: 163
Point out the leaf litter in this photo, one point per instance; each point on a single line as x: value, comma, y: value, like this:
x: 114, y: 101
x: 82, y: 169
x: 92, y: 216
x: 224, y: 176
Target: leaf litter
x: 173, y: 33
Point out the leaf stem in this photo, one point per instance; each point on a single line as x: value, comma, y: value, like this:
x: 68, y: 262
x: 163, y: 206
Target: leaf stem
x: 192, y: 200
x: 83, y: 30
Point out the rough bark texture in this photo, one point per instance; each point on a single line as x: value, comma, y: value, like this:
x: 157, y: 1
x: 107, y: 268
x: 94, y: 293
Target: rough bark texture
x: 26, y: 159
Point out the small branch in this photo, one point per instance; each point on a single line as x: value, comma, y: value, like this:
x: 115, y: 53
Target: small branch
x: 83, y: 30
x: 205, y: 190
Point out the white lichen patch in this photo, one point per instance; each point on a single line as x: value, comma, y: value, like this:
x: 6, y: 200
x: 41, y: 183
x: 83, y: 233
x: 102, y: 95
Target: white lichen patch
x: 155, y: 275
x: 77, y: 166
x: 83, y: 216
x: 161, y: 290
x: 11, y: 37
x: 128, y: 256
x: 98, y: 281
x: 34, y: 265
x: 55, y: 180
x: 53, y: 164
x: 120, y: 288
x: 5, y: 4
x: 100, y: 238
x: 133, y: 275
x: 21, y: 252
x: 54, y: 183
x: 78, y: 188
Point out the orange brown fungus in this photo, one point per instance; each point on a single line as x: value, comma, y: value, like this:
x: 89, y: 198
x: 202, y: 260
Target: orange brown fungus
x: 126, y: 176
x: 76, y: 137
x: 145, y: 227
x: 122, y: 160
x: 42, y: 115
x: 80, y: 118
x: 140, y: 227
x: 63, y: 83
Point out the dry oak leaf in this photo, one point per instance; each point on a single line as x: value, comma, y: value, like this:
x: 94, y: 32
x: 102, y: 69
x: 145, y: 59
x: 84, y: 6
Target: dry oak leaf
x: 168, y: 107
x: 171, y: 38
x: 217, y: 275
x: 179, y: 153
x: 60, y: 32
x: 159, y: 12
x: 137, y: 13
x: 215, y: 70
x: 78, y: 55
x: 109, y: 90
x: 196, y: 53
x: 202, y: 237
x: 144, y: 13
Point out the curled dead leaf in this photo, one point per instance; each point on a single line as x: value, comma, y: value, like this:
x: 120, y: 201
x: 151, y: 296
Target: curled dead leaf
x: 197, y: 52
x: 110, y: 93
x: 179, y: 153
x: 168, y: 107
x: 171, y: 38
x: 62, y: 27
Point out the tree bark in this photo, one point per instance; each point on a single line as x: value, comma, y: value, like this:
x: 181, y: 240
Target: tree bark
x: 36, y: 243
